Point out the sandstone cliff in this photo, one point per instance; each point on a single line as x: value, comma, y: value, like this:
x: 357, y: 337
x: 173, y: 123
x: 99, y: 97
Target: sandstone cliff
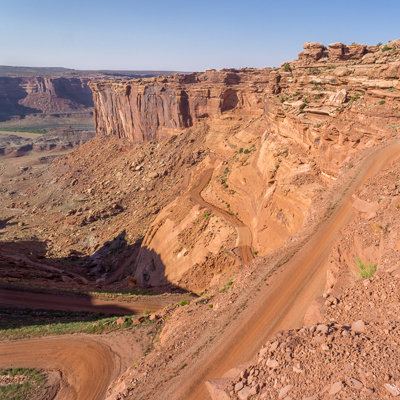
x: 144, y: 109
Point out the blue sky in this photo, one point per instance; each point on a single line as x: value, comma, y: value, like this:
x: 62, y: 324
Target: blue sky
x: 182, y: 35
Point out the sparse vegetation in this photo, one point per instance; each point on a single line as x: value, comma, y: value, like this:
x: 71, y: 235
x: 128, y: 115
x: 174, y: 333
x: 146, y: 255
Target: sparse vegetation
x: 365, y: 270
x: 21, y: 391
x: 287, y: 68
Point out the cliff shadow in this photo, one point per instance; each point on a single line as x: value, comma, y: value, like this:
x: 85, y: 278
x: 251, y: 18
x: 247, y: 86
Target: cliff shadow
x: 150, y: 272
x: 6, y: 222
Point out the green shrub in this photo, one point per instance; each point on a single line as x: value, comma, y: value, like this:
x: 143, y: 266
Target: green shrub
x: 287, y: 68
x: 246, y: 151
x: 379, y: 44
x: 183, y: 303
x: 207, y: 214
x: 241, y: 150
x: 385, y: 48
x: 382, y: 102
x: 365, y: 270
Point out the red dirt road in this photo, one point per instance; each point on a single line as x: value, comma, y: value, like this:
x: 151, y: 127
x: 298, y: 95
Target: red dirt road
x: 283, y: 305
x: 244, y: 233
x: 87, y: 366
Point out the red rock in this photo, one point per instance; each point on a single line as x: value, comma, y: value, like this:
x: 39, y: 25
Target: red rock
x: 392, y: 389
x: 336, y: 388
x: 358, y: 326
x: 216, y: 389
x: 138, y: 320
x: 244, y: 394
x: 284, y: 391
x: 272, y: 363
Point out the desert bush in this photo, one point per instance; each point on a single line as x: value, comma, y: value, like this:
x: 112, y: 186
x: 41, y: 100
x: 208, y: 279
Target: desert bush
x: 365, y: 270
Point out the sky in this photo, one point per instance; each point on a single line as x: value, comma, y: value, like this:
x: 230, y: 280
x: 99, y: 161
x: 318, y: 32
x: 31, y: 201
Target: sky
x: 183, y: 35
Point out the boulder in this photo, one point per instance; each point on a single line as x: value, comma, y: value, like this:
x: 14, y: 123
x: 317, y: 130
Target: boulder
x: 216, y: 389
x: 339, y: 97
x: 313, y: 51
x: 358, y: 326
x: 284, y: 391
x: 272, y: 363
x: 244, y: 394
x: 392, y: 389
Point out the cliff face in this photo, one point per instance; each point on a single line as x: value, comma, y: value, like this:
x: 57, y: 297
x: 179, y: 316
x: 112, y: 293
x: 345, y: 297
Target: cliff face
x: 144, y: 109
x: 30, y: 95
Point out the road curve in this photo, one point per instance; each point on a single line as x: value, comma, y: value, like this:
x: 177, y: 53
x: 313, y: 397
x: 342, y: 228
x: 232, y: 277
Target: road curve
x: 244, y: 233
x: 69, y: 303
x: 87, y: 366
x: 283, y: 304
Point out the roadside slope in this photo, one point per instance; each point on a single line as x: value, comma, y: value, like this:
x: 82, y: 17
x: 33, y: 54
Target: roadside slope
x: 284, y: 305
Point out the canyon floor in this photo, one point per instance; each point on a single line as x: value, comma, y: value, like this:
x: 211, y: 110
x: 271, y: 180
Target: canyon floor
x: 210, y: 243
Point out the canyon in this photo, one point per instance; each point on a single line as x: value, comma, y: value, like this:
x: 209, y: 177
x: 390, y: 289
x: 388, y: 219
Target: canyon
x: 235, y: 205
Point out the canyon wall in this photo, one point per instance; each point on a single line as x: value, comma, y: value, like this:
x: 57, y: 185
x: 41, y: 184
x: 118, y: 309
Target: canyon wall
x: 144, y: 109
x: 40, y: 95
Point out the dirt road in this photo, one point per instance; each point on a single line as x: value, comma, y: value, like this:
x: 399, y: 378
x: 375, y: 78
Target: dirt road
x: 87, y: 366
x: 283, y: 305
x: 69, y: 303
x: 244, y: 233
